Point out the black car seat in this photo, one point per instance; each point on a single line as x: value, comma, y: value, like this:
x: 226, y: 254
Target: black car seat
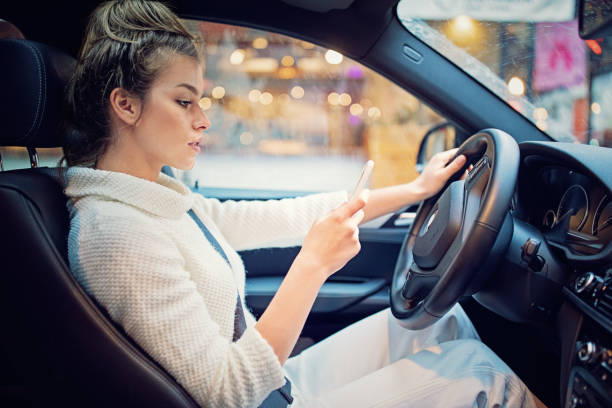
x: 63, y: 345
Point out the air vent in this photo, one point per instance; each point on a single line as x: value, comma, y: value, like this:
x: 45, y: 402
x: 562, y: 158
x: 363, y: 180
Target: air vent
x: 604, y: 303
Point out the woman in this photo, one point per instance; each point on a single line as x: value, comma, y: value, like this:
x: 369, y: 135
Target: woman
x: 163, y: 261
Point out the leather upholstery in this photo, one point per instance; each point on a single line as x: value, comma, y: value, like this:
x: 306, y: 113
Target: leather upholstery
x: 32, y: 80
x: 63, y: 344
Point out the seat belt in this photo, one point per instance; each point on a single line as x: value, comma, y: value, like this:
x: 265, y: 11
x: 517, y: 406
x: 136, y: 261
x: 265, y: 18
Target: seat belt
x: 281, y: 397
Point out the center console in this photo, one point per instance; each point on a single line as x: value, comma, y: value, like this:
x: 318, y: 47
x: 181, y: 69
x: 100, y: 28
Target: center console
x: 590, y: 373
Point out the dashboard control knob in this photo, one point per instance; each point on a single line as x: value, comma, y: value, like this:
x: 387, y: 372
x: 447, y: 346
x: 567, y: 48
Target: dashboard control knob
x: 587, y: 352
x: 584, y: 282
x: 530, y: 249
x: 529, y: 254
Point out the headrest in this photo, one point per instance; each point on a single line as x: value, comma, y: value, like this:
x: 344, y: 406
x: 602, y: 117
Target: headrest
x: 32, y: 81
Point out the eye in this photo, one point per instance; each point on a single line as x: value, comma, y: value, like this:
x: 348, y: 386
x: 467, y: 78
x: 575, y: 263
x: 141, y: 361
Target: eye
x: 184, y: 103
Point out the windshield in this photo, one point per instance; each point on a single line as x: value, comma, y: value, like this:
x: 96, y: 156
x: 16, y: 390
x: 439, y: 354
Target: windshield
x: 531, y: 57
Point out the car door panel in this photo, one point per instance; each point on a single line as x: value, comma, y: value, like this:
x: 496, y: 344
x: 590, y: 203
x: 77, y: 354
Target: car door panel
x: 334, y: 296
x: 359, y: 288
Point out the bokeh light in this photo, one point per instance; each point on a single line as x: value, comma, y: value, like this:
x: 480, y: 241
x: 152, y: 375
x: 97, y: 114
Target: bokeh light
x: 254, y: 95
x: 287, y: 61
x: 333, y: 98
x: 516, y: 86
x: 266, y: 98
x: 260, y: 43
x: 345, y: 99
x: 374, y: 112
x: 205, y: 103
x: 218, y: 92
x: 356, y: 109
x: 297, y: 92
x: 596, y: 108
x: 237, y: 57
x: 333, y: 57
x: 540, y: 114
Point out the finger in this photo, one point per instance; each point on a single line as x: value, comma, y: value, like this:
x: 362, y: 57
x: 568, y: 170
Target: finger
x: 358, y: 217
x: 455, y: 165
x: 356, y: 234
x: 349, y: 208
x: 365, y: 195
x: 447, y: 155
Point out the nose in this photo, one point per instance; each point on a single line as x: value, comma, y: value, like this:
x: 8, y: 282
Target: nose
x: 201, y: 123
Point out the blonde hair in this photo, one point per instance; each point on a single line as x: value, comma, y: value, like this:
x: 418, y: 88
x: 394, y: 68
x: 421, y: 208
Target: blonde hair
x: 127, y: 43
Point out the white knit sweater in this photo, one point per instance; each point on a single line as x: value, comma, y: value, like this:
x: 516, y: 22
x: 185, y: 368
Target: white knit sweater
x: 133, y: 247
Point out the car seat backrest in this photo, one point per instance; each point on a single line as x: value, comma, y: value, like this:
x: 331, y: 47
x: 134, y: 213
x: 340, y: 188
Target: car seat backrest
x: 64, y: 345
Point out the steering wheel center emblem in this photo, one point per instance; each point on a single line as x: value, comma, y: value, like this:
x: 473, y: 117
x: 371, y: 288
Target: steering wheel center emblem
x: 430, y: 221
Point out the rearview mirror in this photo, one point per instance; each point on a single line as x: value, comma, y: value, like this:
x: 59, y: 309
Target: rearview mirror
x: 594, y: 18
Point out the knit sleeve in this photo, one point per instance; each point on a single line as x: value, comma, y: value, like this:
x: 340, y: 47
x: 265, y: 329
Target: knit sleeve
x: 138, y: 274
x: 256, y: 224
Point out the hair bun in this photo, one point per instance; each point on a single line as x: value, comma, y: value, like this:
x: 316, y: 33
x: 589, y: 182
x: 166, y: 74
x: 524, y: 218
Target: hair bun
x: 128, y: 20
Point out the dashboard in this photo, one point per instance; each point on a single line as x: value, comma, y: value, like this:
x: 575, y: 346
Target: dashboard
x: 565, y: 191
x: 575, y: 198
x: 563, y: 201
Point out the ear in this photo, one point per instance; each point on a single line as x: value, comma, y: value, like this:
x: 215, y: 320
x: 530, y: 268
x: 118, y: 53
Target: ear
x: 125, y: 106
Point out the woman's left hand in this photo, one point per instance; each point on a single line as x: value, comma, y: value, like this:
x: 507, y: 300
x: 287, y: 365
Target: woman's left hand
x: 434, y: 177
x: 438, y: 171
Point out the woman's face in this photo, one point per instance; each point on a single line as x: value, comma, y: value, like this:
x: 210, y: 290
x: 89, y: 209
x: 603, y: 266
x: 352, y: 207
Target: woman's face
x: 170, y: 127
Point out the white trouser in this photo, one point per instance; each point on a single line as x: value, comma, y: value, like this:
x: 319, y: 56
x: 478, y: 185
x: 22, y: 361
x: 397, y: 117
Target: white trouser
x: 377, y: 363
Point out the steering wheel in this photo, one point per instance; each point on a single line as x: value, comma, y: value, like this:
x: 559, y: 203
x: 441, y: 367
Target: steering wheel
x: 454, y: 231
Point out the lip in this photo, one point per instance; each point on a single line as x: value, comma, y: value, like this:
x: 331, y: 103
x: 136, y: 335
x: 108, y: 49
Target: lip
x: 195, y: 145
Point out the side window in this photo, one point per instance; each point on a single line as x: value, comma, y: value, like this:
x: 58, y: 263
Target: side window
x: 288, y: 115
x: 18, y: 158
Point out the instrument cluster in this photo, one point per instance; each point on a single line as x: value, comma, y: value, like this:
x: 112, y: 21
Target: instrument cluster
x: 570, y: 204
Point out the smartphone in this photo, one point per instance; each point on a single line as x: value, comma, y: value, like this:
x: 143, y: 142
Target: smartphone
x: 363, y: 179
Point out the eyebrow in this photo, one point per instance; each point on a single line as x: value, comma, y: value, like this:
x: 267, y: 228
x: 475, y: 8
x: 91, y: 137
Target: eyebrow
x: 191, y: 88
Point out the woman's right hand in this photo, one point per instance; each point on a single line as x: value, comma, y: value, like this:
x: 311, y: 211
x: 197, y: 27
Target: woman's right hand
x: 334, y: 239
x: 331, y: 242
